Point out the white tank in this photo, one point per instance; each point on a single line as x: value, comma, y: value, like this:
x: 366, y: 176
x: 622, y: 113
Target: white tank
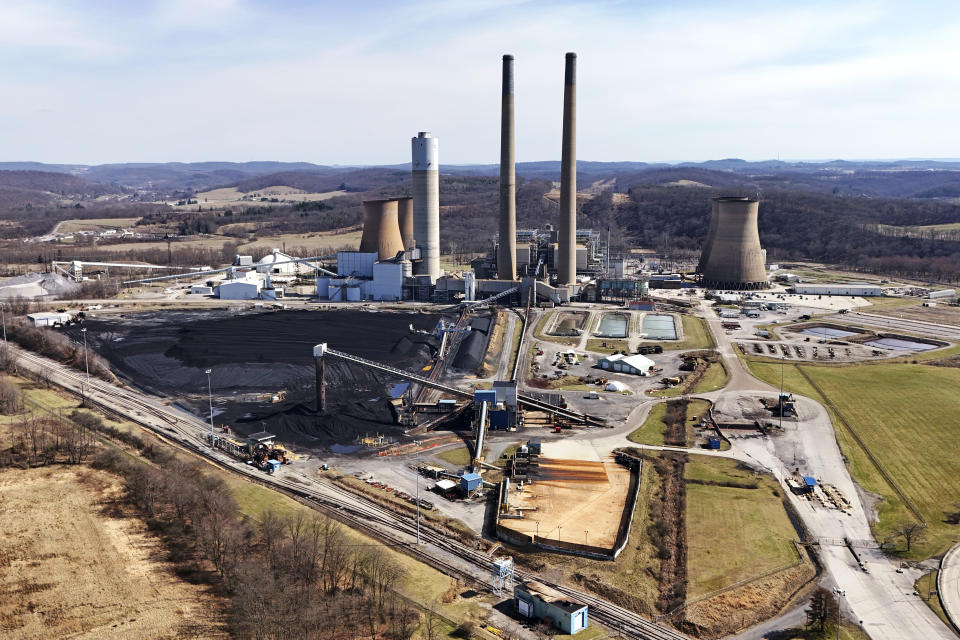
x: 426, y: 203
x: 469, y: 286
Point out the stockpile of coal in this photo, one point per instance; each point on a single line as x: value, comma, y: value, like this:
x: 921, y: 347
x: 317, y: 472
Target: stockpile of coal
x: 473, y: 348
x: 254, y: 355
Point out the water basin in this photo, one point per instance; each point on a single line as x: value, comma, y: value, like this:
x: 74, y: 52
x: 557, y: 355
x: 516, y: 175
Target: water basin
x: 827, y: 332
x: 898, y: 344
x: 659, y: 327
x: 614, y: 325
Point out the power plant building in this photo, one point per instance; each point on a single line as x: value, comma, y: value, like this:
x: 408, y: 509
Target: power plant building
x: 732, y: 257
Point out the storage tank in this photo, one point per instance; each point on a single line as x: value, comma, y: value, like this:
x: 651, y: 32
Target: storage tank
x: 732, y: 257
x: 381, y: 229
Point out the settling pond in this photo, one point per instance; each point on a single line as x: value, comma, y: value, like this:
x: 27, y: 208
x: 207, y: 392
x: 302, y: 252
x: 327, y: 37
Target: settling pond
x: 659, y: 327
x: 828, y: 332
x: 614, y: 325
x: 898, y: 344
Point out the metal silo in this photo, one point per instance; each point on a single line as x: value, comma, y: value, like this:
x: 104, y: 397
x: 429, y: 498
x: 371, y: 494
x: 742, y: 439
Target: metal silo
x: 426, y: 203
x: 732, y: 257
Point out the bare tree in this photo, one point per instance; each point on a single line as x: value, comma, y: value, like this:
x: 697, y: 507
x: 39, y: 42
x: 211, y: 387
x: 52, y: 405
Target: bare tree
x: 910, y: 532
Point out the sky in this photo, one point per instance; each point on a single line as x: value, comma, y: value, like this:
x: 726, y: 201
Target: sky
x: 350, y: 82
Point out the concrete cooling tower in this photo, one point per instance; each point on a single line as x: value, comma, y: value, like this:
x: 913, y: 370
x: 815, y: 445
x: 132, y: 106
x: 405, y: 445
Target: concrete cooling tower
x: 732, y: 258
x: 405, y: 214
x: 381, y: 229
x: 426, y: 203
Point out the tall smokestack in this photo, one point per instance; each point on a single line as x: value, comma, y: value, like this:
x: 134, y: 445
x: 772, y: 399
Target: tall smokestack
x: 507, y: 251
x: 405, y: 215
x: 426, y: 203
x: 567, y: 238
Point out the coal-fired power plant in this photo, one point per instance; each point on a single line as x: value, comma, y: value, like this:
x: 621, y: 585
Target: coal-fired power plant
x: 426, y: 204
x: 732, y: 257
x: 567, y: 237
x: 507, y: 251
x: 405, y: 216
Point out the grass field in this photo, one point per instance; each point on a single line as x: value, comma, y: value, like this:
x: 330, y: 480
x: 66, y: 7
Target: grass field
x: 613, y: 345
x: 696, y: 335
x: 75, y: 568
x: 95, y: 224
x: 715, y: 377
x: 907, y: 416
x: 733, y: 533
x: 321, y: 243
x: 926, y: 586
x: 651, y: 432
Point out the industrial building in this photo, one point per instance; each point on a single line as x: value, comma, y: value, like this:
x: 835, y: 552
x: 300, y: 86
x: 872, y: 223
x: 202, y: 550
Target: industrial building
x: 732, y: 257
x: 860, y: 289
x: 539, y: 602
x: 242, y: 286
x: 49, y: 319
x: 636, y: 364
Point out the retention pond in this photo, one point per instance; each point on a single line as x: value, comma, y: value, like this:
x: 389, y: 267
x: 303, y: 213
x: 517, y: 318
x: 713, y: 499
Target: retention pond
x: 659, y: 327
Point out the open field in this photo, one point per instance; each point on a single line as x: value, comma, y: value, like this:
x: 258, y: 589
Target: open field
x: 906, y: 416
x: 72, y: 568
x: 715, y: 377
x: 651, y: 431
x: 320, y: 242
x: 696, y: 335
x: 95, y: 224
x: 607, y: 345
x: 733, y: 532
x: 939, y: 314
x: 233, y: 197
x: 889, y: 303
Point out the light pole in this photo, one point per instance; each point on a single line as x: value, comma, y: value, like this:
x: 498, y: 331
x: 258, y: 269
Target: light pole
x: 780, y: 399
x: 839, y: 594
x: 585, y: 533
x: 86, y: 363
x: 210, y: 397
x: 417, y: 470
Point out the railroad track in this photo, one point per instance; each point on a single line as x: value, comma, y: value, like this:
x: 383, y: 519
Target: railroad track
x: 350, y: 508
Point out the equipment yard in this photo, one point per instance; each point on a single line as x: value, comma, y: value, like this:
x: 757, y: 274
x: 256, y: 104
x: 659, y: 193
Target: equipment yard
x: 578, y: 499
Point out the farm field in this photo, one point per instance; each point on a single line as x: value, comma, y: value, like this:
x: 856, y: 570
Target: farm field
x: 906, y: 415
x: 55, y: 530
x: 733, y: 532
x: 234, y: 197
x: 94, y: 224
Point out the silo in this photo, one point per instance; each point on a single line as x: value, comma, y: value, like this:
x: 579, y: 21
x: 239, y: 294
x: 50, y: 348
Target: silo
x: 732, y: 257
x: 405, y: 216
x: 567, y: 237
x: 381, y: 230
x: 426, y: 203
x: 507, y: 248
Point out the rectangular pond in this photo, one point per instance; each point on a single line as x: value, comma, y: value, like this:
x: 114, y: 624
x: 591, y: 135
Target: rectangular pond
x: 614, y: 325
x: 828, y: 332
x: 659, y: 327
x: 899, y: 344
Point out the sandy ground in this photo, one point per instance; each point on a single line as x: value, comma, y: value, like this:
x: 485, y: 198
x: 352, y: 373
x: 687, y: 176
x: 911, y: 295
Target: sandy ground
x: 577, y: 497
x: 69, y: 569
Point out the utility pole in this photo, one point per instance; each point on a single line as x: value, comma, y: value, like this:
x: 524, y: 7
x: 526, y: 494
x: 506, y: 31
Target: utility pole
x: 416, y: 443
x: 210, y: 397
x: 86, y: 364
x: 3, y: 318
x: 780, y: 399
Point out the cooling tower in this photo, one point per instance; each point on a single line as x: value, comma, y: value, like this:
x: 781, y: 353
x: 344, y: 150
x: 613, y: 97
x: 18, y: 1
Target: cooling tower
x: 405, y: 216
x: 426, y: 204
x: 567, y: 237
x: 507, y: 249
x: 732, y: 258
x: 381, y: 230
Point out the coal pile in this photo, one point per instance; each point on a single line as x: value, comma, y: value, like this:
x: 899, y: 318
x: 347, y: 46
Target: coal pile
x: 255, y: 355
x: 472, y: 350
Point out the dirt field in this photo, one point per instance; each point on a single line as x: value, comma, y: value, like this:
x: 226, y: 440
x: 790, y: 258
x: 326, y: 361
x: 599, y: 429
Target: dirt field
x: 67, y: 568
x: 577, y: 497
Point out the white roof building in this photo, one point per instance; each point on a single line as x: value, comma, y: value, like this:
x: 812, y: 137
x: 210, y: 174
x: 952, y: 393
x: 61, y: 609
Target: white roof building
x: 853, y: 289
x: 268, y: 263
x: 48, y: 319
x: 637, y: 364
x: 245, y: 287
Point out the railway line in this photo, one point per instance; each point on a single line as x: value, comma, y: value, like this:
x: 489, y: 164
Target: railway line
x: 393, y: 529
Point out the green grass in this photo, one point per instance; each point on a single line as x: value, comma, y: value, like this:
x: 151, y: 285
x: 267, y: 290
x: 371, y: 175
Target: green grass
x: 696, y: 335
x: 651, y: 432
x: 926, y: 586
x: 613, y: 345
x: 907, y: 416
x: 847, y: 632
x: 733, y: 534
x: 715, y: 377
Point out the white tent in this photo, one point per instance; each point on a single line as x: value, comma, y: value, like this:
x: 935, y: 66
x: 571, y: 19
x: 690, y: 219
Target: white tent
x: 615, y: 385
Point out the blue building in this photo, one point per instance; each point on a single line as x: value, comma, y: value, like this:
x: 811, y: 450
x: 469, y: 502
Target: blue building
x: 540, y: 602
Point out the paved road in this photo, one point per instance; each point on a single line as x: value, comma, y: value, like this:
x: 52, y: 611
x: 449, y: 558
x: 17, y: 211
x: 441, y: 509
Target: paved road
x: 948, y: 584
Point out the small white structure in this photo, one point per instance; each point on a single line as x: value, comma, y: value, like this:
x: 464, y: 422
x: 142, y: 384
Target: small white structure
x: 616, y: 386
x: 854, y: 289
x: 728, y: 298
x: 242, y: 261
x: 268, y: 263
x: 49, y: 319
x: 201, y: 290
x: 943, y: 294
x: 729, y: 313
x: 637, y: 365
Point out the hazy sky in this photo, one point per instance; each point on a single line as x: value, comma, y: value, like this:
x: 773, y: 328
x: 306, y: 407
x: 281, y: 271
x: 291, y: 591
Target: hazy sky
x: 350, y: 82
